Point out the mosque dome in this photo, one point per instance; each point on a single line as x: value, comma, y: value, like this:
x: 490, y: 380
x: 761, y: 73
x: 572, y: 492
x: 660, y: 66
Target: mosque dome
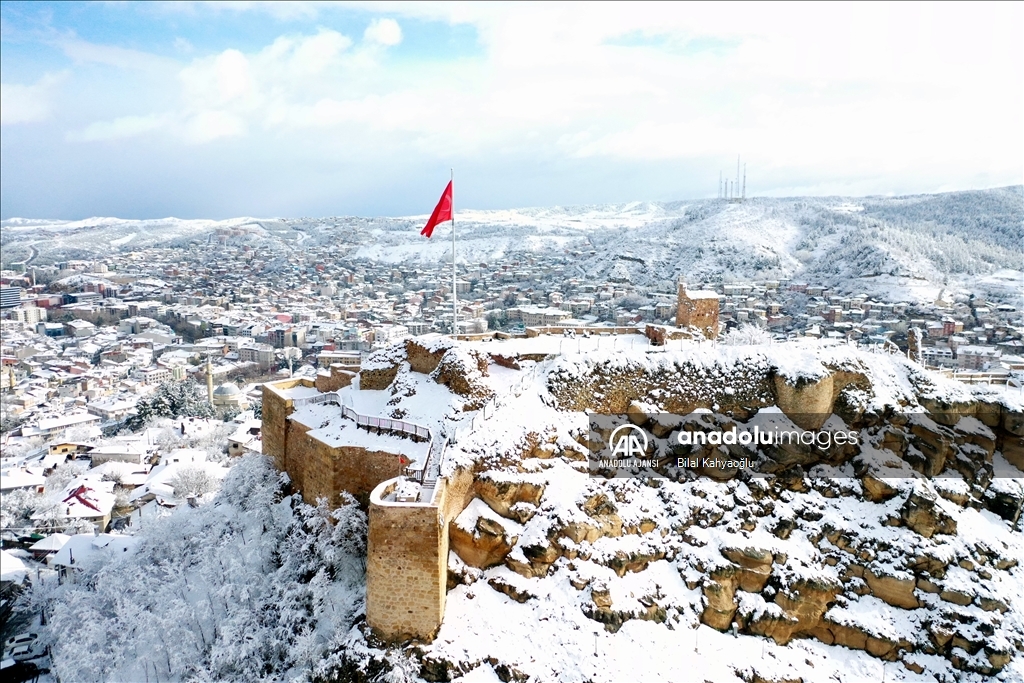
x: 225, y: 390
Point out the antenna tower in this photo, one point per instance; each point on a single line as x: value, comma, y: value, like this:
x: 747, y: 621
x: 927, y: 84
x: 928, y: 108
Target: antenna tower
x: 736, y: 185
x: 733, y: 190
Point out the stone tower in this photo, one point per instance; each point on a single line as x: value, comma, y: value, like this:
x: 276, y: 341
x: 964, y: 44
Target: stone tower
x: 697, y: 308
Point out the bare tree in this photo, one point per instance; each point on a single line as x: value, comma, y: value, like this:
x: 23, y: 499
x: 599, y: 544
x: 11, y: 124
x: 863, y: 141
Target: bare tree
x: 747, y: 335
x: 192, y: 481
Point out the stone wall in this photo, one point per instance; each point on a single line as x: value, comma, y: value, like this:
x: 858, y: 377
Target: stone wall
x: 408, y: 543
x: 276, y: 408
x: 407, y: 565
x: 701, y: 313
x: 422, y: 359
x: 406, y: 569
x: 316, y: 469
x: 659, y: 334
x: 337, y: 377
x: 407, y: 552
x: 377, y: 379
x: 320, y: 471
x: 455, y: 494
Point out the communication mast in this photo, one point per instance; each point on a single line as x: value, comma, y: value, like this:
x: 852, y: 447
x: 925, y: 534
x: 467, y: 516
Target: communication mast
x: 733, y: 190
x: 737, y: 185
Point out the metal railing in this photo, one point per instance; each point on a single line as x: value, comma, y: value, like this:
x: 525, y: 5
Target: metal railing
x: 330, y: 397
x: 435, y: 453
x: 432, y: 466
x: 438, y: 443
x: 384, y: 424
x: 968, y: 377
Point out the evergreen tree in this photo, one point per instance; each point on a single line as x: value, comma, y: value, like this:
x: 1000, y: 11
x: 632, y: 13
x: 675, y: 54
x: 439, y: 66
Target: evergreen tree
x: 172, y: 399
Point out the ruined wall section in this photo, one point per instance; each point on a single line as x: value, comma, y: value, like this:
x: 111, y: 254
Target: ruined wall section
x: 455, y: 494
x: 697, y: 309
x: 425, y: 353
x: 337, y: 377
x: 679, y: 388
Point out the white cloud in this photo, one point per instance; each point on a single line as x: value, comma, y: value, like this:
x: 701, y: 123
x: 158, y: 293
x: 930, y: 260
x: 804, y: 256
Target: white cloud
x: 787, y: 83
x: 122, y: 127
x: 290, y: 68
x: 219, y: 80
x: 827, y: 92
x: 314, y: 54
x: 384, y: 32
x: 122, y: 58
x: 211, y: 125
x: 28, y: 103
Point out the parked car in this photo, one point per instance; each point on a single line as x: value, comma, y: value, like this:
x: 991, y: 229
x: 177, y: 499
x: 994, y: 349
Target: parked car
x: 20, y: 639
x: 21, y: 652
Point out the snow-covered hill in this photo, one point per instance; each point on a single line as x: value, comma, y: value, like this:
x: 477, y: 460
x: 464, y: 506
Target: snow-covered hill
x: 906, y: 246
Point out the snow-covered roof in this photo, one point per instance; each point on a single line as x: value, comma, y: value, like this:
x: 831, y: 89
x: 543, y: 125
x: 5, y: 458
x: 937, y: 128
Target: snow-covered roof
x: 51, y: 543
x: 129, y: 474
x: 20, y: 478
x: 86, y: 497
x: 123, y: 448
x: 11, y: 567
x: 80, y: 546
x: 225, y: 390
x: 52, y: 423
x: 184, y: 455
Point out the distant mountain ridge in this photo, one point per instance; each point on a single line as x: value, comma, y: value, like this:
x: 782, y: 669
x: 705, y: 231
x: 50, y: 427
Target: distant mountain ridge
x: 973, y: 238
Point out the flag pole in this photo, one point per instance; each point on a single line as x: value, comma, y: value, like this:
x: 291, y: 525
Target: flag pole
x: 455, y: 286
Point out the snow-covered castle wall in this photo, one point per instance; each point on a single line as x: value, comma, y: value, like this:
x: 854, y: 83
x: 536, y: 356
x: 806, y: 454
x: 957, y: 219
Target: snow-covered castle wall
x: 407, y: 545
x: 319, y: 466
x: 407, y: 558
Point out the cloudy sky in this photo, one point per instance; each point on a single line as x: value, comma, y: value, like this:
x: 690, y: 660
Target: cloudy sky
x: 308, y: 109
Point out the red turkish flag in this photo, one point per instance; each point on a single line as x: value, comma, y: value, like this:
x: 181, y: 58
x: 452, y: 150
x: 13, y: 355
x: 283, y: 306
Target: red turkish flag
x: 442, y: 212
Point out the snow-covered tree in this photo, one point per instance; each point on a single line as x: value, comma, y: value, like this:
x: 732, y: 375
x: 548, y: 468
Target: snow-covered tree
x: 252, y: 587
x: 16, y: 508
x: 192, y: 481
x: 172, y: 399
x: 746, y: 335
x: 63, y: 474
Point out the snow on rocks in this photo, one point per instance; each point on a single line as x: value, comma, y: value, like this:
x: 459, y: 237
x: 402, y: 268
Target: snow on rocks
x: 898, y: 550
x: 890, y: 549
